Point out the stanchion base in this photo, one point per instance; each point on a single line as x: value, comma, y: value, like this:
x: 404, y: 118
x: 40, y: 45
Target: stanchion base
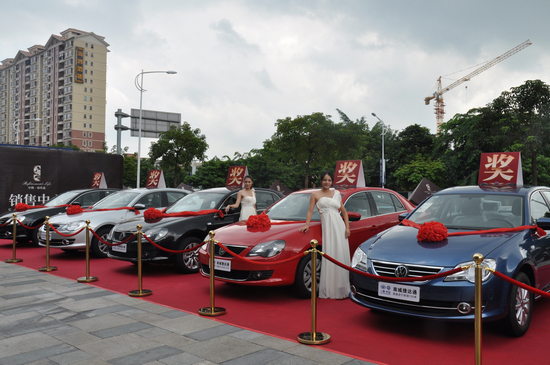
x: 140, y: 293
x: 11, y: 261
x: 207, y: 311
x: 307, y: 338
x: 49, y: 268
x: 87, y: 279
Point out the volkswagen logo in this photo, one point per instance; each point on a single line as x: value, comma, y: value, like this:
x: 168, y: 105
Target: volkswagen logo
x: 221, y: 252
x: 401, y: 271
x: 122, y: 236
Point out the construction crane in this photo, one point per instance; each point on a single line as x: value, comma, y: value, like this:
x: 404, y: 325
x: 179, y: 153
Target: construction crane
x: 438, y: 95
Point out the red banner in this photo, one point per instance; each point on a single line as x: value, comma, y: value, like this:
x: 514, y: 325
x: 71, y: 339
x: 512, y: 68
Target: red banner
x: 155, y: 179
x: 235, y: 177
x: 349, y: 174
x: 98, y: 181
x: 500, y: 168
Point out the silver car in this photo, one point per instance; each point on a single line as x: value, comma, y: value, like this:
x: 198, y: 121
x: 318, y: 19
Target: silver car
x: 103, y: 216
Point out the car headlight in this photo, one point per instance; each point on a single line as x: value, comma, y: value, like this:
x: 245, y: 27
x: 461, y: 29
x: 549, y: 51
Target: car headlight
x: 73, y: 226
x: 469, y: 275
x: 268, y: 249
x: 205, y: 245
x: 156, y: 234
x: 359, y: 260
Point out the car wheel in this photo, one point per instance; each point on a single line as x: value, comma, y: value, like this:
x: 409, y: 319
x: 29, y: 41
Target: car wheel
x: 99, y: 249
x: 302, y: 280
x: 34, y: 236
x: 520, y: 308
x: 188, y: 263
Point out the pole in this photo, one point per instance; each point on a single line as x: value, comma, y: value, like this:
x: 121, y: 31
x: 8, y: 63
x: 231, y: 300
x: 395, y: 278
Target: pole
x: 13, y: 259
x: 478, y: 259
x: 212, y: 311
x: 139, y: 136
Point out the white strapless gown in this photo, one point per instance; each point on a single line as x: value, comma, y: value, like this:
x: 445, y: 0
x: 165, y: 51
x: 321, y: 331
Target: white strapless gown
x: 247, y: 206
x: 334, y: 283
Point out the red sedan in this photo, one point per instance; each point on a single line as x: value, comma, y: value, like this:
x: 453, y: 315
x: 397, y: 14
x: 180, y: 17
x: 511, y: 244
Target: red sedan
x: 370, y: 210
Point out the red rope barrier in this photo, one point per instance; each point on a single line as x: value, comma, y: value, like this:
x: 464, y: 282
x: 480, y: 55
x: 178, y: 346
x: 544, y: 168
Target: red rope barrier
x: 111, y: 244
x: 260, y: 263
x: 66, y: 235
x: 172, y: 251
x: 24, y: 226
x: 8, y: 222
x: 385, y: 278
x: 521, y: 285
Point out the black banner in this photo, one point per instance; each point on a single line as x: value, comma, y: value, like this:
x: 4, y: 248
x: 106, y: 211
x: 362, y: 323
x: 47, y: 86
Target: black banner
x: 34, y: 175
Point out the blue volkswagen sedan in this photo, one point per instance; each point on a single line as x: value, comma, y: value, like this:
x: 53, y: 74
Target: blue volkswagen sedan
x: 521, y: 255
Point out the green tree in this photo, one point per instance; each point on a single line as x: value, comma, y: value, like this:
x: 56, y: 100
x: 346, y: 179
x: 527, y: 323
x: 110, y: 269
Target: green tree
x: 177, y: 148
x: 409, y: 176
x: 306, y: 141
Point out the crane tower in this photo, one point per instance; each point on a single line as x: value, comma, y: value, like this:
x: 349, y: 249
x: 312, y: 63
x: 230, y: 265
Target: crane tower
x: 438, y: 95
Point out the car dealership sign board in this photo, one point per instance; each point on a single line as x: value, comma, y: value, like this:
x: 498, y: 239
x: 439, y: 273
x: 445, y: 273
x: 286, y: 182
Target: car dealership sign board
x: 500, y: 169
x: 34, y: 175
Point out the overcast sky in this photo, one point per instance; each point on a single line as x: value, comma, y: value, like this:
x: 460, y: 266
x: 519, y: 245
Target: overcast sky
x: 241, y: 65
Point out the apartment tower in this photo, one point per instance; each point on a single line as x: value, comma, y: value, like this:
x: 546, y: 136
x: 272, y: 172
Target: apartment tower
x: 55, y: 93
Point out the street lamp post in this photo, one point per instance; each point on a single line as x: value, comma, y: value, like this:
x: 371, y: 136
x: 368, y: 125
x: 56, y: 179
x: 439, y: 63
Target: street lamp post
x: 383, y: 165
x: 139, y: 85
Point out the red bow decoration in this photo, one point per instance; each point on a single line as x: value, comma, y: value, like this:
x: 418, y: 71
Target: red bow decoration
x: 152, y: 215
x: 258, y: 221
x: 74, y: 209
x: 21, y: 207
x: 436, y: 231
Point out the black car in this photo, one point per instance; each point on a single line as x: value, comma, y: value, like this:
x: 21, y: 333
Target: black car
x: 179, y: 233
x: 36, y: 216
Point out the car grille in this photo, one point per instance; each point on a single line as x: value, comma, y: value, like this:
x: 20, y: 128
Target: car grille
x: 4, y: 220
x: 238, y: 275
x: 388, y: 269
x: 235, y: 249
x: 121, y: 236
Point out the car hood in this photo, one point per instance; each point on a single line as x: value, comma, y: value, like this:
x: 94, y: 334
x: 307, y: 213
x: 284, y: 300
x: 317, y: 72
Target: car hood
x: 130, y: 225
x: 90, y: 215
x: 239, y: 233
x: 399, y: 244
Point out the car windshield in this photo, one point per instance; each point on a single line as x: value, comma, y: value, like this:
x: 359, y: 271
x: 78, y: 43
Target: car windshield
x: 62, y: 199
x: 293, y: 208
x: 202, y: 200
x: 116, y: 200
x: 472, y: 211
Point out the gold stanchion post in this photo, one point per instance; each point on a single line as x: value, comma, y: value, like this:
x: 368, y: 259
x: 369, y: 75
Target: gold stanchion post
x: 88, y: 278
x: 140, y: 292
x: 13, y: 259
x: 212, y: 310
x: 478, y: 259
x: 47, y: 267
x: 313, y: 337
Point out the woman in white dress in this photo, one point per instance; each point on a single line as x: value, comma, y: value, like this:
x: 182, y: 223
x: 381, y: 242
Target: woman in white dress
x: 334, y: 283
x: 248, y: 198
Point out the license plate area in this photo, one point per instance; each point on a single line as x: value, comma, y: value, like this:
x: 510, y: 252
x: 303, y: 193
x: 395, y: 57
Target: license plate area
x: 399, y: 291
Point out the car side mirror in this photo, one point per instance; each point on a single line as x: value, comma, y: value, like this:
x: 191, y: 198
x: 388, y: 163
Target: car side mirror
x: 139, y: 206
x: 402, y: 216
x: 354, y: 217
x: 544, y: 223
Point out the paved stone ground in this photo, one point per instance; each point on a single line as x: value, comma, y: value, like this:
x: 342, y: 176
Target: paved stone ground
x: 47, y: 320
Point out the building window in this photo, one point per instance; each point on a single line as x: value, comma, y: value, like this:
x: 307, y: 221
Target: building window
x: 84, y: 134
x: 90, y: 107
x: 85, y: 89
x: 91, y: 81
x: 84, y: 125
x: 85, y: 98
x: 90, y: 134
x: 92, y: 54
x: 84, y: 107
x: 91, y: 72
x: 92, y: 63
x: 86, y: 45
x: 90, y: 125
x: 84, y: 116
x: 89, y: 143
x: 92, y: 45
x: 91, y: 99
x: 90, y: 116
x: 91, y: 91
x: 86, y: 63
x: 84, y: 143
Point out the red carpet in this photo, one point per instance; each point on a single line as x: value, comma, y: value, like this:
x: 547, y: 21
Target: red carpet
x: 354, y: 331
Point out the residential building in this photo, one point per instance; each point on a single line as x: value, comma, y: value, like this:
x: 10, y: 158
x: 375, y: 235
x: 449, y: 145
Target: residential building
x: 56, y: 93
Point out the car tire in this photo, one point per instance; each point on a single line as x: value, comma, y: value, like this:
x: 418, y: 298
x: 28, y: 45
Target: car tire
x: 302, y: 280
x: 97, y: 248
x: 34, y: 236
x: 188, y: 263
x: 520, y: 308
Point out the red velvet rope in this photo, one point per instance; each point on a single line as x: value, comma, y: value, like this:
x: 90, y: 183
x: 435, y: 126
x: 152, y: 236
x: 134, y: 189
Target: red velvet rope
x: 540, y: 231
x: 24, y: 226
x: 521, y: 285
x: 173, y: 251
x: 260, y: 263
x: 8, y: 222
x: 111, y: 244
x: 153, y: 215
x: 67, y: 235
x: 385, y: 278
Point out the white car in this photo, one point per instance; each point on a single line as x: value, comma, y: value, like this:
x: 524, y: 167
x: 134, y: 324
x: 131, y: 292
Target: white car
x: 103, y: 216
